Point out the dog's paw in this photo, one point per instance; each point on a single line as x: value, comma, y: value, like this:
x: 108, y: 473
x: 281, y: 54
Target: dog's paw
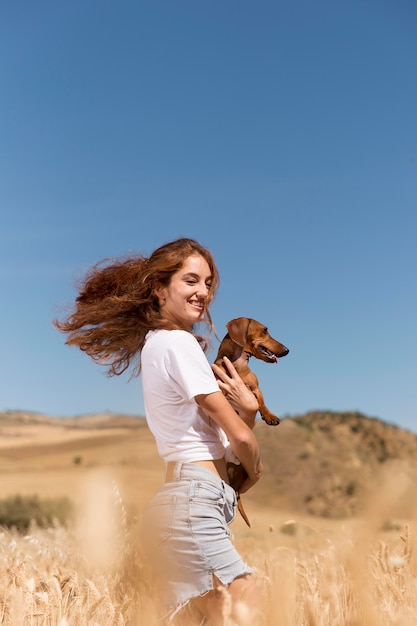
x: 271, y: 420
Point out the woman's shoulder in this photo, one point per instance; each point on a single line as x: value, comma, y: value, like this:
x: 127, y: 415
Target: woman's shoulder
x: 168, y: 337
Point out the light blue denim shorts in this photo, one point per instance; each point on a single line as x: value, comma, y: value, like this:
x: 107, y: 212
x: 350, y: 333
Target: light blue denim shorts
x: 185, y: 534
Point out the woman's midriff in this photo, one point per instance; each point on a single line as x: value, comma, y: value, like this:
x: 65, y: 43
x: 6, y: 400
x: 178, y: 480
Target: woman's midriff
x: 218, y: 466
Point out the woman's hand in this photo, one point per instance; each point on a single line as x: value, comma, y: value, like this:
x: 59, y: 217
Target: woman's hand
x: 240, y: 397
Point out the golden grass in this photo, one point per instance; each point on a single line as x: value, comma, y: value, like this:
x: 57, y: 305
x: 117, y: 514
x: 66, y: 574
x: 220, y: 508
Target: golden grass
x: 311, y: 572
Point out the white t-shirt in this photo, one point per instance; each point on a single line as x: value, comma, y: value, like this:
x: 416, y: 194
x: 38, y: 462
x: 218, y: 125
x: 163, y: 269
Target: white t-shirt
x: 174, y: 371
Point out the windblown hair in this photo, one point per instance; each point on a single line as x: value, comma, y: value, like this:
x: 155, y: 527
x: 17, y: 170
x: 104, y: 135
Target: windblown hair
x: 117, y: 305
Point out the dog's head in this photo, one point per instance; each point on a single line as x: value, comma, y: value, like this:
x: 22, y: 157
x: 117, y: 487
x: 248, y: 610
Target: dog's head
x: 255, y: 339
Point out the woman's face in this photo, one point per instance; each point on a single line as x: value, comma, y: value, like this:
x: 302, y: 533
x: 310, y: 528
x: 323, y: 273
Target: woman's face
x: 183, y: 300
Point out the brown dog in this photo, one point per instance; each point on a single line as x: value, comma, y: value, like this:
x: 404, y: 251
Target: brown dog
x: 245, y: 338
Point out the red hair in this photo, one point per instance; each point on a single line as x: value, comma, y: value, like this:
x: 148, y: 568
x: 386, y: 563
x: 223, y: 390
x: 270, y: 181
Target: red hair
x: 117, y: 306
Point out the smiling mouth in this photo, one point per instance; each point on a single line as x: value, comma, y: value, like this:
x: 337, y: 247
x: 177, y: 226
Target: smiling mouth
x: 197, y: 305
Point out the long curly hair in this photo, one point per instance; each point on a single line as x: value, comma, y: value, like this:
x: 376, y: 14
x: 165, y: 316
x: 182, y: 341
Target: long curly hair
x: 117, y: 306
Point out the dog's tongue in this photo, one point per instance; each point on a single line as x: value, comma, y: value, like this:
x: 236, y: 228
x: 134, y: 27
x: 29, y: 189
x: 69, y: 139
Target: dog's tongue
x: 275, y: 359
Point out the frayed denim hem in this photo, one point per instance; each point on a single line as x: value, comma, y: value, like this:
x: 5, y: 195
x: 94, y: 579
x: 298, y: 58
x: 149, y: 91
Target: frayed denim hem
x: 174, y: 612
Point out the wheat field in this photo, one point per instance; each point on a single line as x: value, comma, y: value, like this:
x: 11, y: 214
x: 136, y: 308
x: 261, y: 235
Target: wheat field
x: 359, y: 571
x: 348, y: 573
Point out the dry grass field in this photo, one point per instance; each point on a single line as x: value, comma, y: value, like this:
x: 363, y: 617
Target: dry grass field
x: 313, y: 571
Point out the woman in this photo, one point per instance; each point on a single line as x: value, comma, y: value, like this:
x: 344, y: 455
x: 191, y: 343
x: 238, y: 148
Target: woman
x: 146, y: 310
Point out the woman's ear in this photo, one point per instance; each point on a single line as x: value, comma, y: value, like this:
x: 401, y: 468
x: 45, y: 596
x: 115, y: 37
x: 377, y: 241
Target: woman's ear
x: 159, y: 292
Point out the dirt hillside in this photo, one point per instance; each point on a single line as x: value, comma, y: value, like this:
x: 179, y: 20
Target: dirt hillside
x: 328, y: 464
x: 322, y: 463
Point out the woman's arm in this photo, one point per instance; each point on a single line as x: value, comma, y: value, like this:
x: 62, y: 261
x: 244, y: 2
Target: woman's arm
x: 240, y: 397
x: 242, y: 440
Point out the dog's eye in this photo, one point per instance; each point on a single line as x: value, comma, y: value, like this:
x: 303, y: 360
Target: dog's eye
x: 265, y: 330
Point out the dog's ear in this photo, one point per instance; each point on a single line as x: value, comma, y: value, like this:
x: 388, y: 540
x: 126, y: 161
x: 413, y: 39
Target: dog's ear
x: 238, y: 330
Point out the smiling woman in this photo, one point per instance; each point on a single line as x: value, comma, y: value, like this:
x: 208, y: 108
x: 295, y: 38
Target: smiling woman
x: 146, y: 309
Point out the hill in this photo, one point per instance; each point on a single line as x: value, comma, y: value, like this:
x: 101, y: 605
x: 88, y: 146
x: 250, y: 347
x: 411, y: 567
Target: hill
x: 322, y: 463
x: 328, y: 464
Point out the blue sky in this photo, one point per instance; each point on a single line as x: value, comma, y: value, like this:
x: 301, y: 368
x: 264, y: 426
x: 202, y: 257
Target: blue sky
x: 281, y: 135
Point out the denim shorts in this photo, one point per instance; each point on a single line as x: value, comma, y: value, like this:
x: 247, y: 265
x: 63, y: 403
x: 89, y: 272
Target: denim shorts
x: 185, y: 534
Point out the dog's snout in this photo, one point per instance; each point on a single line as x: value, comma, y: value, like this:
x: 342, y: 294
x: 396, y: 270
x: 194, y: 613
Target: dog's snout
x: 284, y: 352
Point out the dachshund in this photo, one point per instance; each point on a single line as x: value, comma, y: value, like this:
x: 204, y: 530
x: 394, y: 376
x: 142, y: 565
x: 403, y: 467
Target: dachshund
x: 247, y: 337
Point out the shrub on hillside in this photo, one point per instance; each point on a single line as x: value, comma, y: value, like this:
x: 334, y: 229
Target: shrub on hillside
x: 19, y: 511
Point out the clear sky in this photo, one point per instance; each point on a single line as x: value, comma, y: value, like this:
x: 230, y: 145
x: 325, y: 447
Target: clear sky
x: 282, y: 135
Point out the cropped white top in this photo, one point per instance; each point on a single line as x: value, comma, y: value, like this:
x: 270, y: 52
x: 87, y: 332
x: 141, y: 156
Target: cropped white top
x: 174, y: 371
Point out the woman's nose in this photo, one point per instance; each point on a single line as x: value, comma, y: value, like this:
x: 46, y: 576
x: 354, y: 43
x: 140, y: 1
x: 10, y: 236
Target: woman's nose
x: 202, y: 290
